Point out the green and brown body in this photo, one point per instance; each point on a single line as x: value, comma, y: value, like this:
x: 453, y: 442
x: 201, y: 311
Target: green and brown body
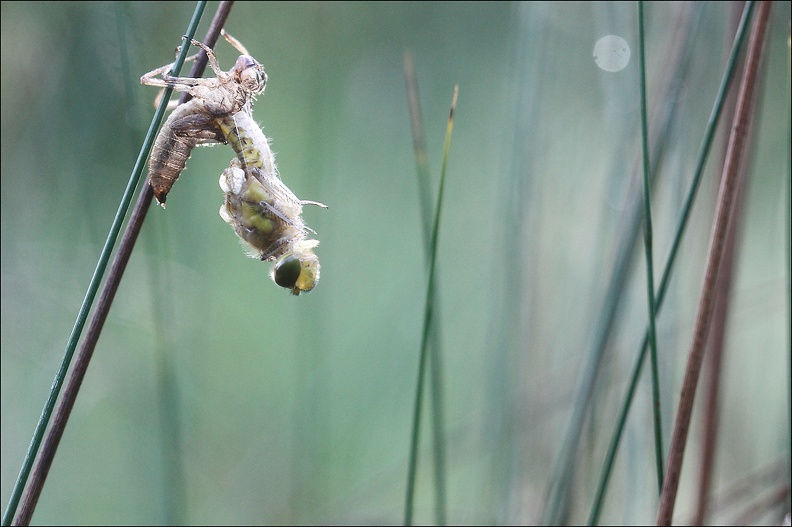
x: 262, y: 210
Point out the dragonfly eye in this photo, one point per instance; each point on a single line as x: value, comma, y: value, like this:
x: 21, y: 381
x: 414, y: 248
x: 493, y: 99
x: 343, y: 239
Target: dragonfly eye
x: 251, y: 74
x: 287, y: 272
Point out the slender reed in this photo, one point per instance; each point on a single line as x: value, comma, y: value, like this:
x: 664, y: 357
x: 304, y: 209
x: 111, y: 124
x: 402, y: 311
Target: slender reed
x: 789, y: 257
x: 435, y: 363
x: 703, y: 154
x: 650, y: 291
x: 678, y: 59
x: 714, y: 356
x: 50, y: 445
x: 428, y: 313
x: 726, y: 195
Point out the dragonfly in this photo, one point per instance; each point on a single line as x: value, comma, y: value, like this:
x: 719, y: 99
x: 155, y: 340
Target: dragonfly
x: 263, y: 212
x: 266, y: 216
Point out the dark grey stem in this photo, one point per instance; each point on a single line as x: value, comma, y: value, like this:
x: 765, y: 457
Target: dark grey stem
x: 83, y: 356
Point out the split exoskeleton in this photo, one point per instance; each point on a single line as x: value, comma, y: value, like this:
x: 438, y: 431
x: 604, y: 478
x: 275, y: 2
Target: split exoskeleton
x: 264, y: 213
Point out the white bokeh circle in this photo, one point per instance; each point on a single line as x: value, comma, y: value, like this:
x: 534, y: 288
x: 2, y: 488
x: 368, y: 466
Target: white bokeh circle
x: 611, y: 53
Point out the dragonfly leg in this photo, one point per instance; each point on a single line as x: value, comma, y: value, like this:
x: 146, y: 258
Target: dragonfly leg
x: 167, y: 81
x: 316, y: 203
x: 210, y: 54
x: 234, y: 42
x: 274, y: 250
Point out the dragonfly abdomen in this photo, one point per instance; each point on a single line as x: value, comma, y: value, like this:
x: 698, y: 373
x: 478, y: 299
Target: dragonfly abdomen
x: 248, y: 141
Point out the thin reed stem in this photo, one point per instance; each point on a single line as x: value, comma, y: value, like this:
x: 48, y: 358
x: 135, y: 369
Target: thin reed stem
x: 83, y: 357
x: 436, y: 384
x: 714, y: 356
x: 789, y: 256
x: 728, y: 189
x: 428, y: 313
x: 706, y: 144
x: 650, y: 292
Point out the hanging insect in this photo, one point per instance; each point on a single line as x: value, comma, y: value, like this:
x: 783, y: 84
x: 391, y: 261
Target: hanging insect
x: 195, y: 122
x: 266, y: 216
x: 264, y: 213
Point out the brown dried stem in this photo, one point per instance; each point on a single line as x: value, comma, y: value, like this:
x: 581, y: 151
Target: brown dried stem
x: 726, y: 194
x: 714, y: 355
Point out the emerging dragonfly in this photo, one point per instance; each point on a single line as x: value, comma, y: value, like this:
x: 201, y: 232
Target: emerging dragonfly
x: 195, y: 122
x: 261, y: 209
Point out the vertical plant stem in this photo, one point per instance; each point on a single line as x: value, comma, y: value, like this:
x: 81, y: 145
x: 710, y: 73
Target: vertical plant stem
x: 428, y: 313
x: 703, y: 154
x: 419, y: 148
x: 714, y: 356
x: 712, y: 374
x: 789, y: 257
x: 435, y: 363
x: 723, y: 212
x: 678, y: 59
x: 650, y: 293
x: 50, y: 445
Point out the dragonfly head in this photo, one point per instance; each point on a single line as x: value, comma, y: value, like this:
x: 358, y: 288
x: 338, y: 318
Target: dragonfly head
x: 250, y: 74
x: 297, y: 271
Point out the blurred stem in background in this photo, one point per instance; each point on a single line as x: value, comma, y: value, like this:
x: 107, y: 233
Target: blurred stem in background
x: 676, y: 67
x: 648, y: 251
x: 726, y: 195
x: 709, y: 134
x: 429, y: 323
x: 436, y: 382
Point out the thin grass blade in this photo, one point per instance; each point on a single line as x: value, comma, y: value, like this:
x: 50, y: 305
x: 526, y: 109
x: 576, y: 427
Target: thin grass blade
x: 428, y: 314
x: 789, y: 258
x: 709, y: 134
x: 677, y: 64
x: 728, y: 188
x: 436, y: 383
x: 650, y: 292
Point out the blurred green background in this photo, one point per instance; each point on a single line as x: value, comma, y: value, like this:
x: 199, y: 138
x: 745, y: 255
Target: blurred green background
x: 215, y: 397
